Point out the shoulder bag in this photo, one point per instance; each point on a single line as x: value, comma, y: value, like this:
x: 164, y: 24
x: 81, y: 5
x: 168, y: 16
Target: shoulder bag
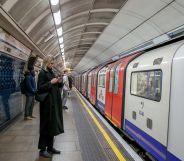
x: 40, y: 97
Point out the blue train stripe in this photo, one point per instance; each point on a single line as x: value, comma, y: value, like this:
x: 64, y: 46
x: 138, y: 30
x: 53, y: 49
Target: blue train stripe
x: 171, y: 157
x: 100, y: 106
x: 151, y: 145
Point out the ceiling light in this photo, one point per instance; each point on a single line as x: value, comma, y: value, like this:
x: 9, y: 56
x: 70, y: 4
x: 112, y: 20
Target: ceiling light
x: 57, y: 17
x: 54, y: 2
x: 61, y: 46
x: 62, y: 50
x: 61, y: 40
x: 60, y: 31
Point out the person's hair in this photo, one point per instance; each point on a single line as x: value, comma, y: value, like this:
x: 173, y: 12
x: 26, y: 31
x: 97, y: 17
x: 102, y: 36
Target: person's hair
x: 47, y: 60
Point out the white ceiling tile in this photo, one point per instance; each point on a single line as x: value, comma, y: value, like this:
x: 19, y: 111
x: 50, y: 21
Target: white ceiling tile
x: 144, y: 8
x: 180, y: 2
x: 147, y: 31
x: 168, y: 19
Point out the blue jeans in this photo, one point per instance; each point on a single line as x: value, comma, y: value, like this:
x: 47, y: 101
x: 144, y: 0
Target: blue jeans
x: 65, y: 95
x: 29, y: 106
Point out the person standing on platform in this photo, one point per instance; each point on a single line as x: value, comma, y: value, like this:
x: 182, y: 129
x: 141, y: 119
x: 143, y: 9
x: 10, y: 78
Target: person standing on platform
x: 65, y: 89
x: 30, y: 93
x: 51, y: 115
x: 70, y: 85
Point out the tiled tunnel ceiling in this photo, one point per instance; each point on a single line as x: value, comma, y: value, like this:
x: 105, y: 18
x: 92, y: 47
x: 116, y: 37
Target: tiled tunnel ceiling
x: 94, y: 30
x: 83, y: 21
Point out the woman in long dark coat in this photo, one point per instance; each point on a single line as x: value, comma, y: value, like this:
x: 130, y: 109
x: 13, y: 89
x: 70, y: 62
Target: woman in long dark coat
x: 51, y: 116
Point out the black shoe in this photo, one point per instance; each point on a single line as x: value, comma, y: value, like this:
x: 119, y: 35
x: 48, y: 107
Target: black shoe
x: 54, y: 151
x: 45, y: 154
x: 65, y: 107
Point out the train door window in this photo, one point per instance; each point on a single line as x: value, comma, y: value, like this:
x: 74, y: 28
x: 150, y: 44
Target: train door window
x: 98, y: 80
x: 101, y: 81
x: 111, y: 82
x: 89, y: 81
x: 95, y: 78
x: 116, y: 81
x: 92, y: 80
x: 147, y: 84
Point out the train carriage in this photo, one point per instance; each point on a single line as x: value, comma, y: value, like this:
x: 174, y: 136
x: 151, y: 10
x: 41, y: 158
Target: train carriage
x: 148, y: 117
x: 115, y: 78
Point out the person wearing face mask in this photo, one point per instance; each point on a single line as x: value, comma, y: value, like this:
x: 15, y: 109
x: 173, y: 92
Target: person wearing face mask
x: 51, y: 116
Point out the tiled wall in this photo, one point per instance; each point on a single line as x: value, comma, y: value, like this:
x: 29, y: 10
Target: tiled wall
x: 11, y: 70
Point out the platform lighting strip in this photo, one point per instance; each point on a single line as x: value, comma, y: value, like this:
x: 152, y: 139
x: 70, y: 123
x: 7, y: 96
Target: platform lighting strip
x: 57, y: 20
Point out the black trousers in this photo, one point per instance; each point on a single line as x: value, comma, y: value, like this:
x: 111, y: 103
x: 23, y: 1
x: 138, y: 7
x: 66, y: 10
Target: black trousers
x: 45, y: 141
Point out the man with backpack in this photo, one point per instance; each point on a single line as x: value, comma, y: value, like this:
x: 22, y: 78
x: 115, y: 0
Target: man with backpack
x: 30, y: 90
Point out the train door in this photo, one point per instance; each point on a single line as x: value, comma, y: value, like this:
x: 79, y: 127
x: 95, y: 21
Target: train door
x: 92, y: 87
x: 95, y: 85
x: 83, y: 82
x: 119, y: 91
x: 109, y: 90
x: 116, y: 111
x: 89, y: 86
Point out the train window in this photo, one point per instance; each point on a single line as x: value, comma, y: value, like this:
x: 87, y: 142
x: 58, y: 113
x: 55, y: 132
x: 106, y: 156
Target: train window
x: 116, y: 82
x: 101, y: 80
x: 147, y: 84
x: 111, y: 82
x: 92, y: 80
x: 95, y: 78
x: 89, y: 85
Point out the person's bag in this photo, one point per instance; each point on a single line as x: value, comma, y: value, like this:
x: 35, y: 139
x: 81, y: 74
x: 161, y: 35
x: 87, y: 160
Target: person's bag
x: 23, y: 86
x: 40, y: 97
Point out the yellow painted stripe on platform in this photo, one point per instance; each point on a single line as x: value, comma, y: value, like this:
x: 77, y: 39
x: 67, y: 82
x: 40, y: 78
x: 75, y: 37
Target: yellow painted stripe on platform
x: 106, y: 136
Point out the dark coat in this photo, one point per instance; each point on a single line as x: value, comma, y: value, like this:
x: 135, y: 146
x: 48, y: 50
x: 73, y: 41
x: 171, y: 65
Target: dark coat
x: 30, y: 84
x: 51, y: 114
x: 70, y: 81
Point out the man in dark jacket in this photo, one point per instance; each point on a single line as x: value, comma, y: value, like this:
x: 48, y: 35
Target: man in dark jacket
x: 30, y: 93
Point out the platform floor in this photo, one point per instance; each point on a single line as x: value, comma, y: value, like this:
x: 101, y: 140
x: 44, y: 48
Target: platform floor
x: 82, y: 140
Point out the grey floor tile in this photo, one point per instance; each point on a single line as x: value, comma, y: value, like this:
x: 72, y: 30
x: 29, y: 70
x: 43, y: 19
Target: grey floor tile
x: 68, y: 156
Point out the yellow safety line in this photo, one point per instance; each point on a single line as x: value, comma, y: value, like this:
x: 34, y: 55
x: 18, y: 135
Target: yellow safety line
x: 106, y: 136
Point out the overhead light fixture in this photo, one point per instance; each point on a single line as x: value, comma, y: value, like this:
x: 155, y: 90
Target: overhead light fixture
x: 60, y: 31
x: 54, y: 2
x: 161, y: 39
x: 57, y: 17
x: 57, y: 21
x: 62, y: 50
x: 61, y: 40
x: 61, y: 46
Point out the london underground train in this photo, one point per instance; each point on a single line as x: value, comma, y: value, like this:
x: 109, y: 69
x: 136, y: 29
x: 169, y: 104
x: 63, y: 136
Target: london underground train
x: 143, y: 96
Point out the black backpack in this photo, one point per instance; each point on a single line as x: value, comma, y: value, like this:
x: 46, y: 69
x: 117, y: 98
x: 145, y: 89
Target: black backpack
x: 23, y: 86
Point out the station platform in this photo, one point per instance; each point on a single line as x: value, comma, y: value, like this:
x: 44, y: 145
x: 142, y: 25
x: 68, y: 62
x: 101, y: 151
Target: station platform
x: 87, y: 137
